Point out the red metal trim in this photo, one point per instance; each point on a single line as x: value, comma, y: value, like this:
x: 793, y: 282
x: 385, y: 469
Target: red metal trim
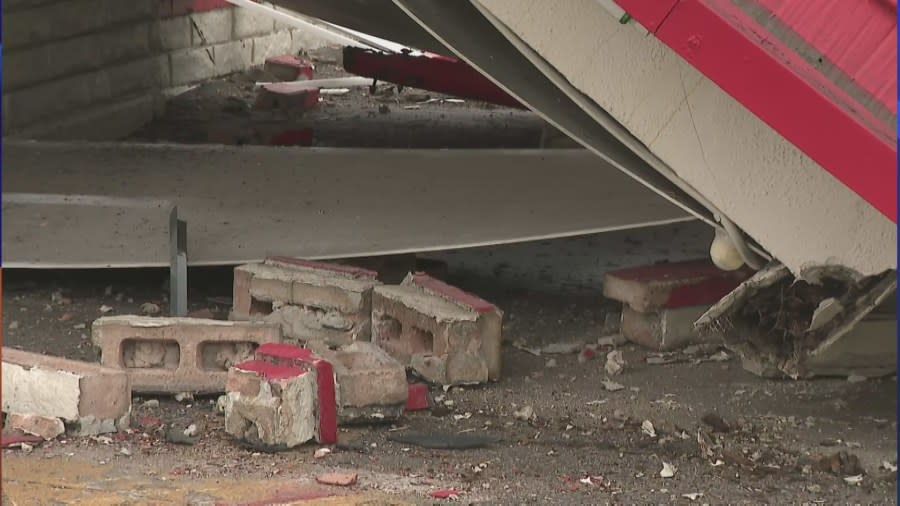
x: 427, y: 71
x: 770, y: 80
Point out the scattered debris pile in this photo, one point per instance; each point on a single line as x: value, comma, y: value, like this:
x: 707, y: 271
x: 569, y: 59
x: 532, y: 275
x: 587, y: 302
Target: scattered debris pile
x: 838, y: 326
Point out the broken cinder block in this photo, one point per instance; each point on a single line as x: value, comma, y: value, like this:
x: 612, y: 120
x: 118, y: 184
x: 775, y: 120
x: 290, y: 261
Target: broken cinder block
x: 91, y: 398
x: 286, y: 98
x: 370, y: 385
x: 271, y: 404
x: 288, y: 67
x: 171, y: 355
x: 671, y: 285
x: 446, y: 335
x: 47, y: 427
x: 315, y: 303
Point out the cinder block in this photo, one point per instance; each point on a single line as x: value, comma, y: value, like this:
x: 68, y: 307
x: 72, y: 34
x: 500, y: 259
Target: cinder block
x: 278, y: 96
x: 273, y: 44
x: 371, y: 385
x: 249, y: 23
x: 175, y: 33
x: 270, y: 404
x: 445, y: 334
x: 315, y: 303
x: 201, y: 63
x: 671, y: 285
x: 52, y: 21
x: 666, y: 329
x: 98, y: 123
x: 211, y: 27
x: 171, y: 355
x: 67, y: 94
x: 31, y: 65
x: 286, y: 67
x: 91, y: 397
x: 326, y: 395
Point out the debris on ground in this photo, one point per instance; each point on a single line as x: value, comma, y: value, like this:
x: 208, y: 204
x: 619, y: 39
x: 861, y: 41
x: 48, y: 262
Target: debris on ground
x: 45, y: 427
x: 668, y: 470
x: 612, y: 386
x: 338, y: 479
x: 525, y: 413
x: 615, y: 363
x: 448, y: 493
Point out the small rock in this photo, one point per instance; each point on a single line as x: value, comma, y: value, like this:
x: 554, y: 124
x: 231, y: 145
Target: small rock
x: 856, y: 378
x: 524, y: 413
x: 854, y: 480
x: 615, y: 363
x: 150, y: 403
x: 13, y: 325
x: 550, y: 363
x: 150, y: 309
x: 191, y: 430
x: 692, y: 496
x: 321, y: 453
x: 220, y: 403
x: 125, y: 451
x: 105, y: 309
x: 612, y: 386
x: 338, y: 479
x: 668, y: 470
x: 647, y: 428
x: 27, y: 448
x: 184, y: 397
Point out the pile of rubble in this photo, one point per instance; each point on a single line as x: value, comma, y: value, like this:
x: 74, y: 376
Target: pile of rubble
x: 308, y: 346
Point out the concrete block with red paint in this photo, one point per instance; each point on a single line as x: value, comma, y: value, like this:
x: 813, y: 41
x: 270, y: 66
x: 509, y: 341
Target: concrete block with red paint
x: 417, y: 397
x: 325, y: 390
x: 271, y: 404
x: 446, y: 335
x: 666, y: 329
x: 671, y: 285
x: 282, y: 97
x: 371, y: 385
x: 288, y: 67
x: 317, y: 304
x: 171, y: 355
x: 91, y: 398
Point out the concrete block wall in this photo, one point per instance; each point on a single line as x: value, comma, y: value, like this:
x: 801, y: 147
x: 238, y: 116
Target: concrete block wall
x: 99, y: 69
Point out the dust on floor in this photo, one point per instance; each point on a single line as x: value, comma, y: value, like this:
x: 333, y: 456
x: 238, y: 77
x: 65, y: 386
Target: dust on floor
x: 784, y: 442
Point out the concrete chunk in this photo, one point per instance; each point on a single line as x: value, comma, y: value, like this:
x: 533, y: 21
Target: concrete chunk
x: 666, y: 329
x: 170, y: 355
x: 671, y: 285
x: 370, y: 385
x: 46, y: 427
x: 56, y: 387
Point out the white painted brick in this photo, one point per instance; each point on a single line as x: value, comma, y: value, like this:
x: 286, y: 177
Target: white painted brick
x: 59, y: 20
x: 270, y: 45
x: 200, y: 63
x: 175, y: 33
x: 35, y: 103
x: 212, y: 27
x: 248, y: 23
x: 99, y: 123
x: 27, y: 66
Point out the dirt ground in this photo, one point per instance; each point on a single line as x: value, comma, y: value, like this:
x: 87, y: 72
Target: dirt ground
x: 781, y: 442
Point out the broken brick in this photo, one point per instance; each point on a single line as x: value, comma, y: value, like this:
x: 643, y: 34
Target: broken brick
x: 446, y: 335
x: 338, y: 479
x: 289, y: 68
x: 370, y: 384
x: 278, y: 96
x: 417, y: 397
x: 671, y: 285
x: 666, y: 329
x: 316, y: 304
x: 47, y: 427
x: 91, y: 397
x: 10, y: 440
x: 270, y: 404
x: 325, y: 390
x: 171, y: 355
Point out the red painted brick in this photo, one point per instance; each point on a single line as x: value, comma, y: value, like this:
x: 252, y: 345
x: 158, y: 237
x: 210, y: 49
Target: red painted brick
x: 671, y: 285
x: 7, y: 440
x: 418, y: 397
x: 325, y: 388
x: 289, y: 68
x: 449, y: 292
